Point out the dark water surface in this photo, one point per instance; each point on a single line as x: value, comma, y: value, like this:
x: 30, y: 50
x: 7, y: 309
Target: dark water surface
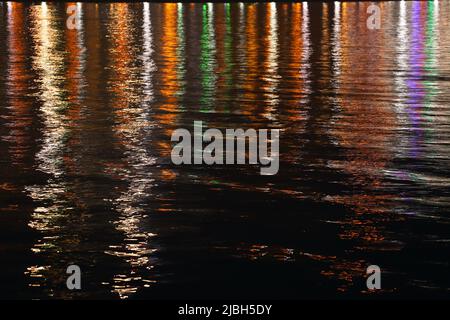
x: 86, y: 178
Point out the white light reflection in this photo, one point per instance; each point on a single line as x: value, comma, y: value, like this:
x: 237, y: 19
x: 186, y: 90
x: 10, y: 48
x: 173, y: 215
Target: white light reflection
x: 402, y: 55
x: 336, y: 45
x: 402, y: 51
x: 272, y: 59
x: 306, y: 52
x: 48, y: 63
x: 149, y: 65
x: 81, y: 46
x: 133, y: 91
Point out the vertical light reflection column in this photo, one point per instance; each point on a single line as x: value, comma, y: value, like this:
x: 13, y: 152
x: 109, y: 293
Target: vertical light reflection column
x: 76, y: 54
x: 415, y: 88
x: 223, y: 57
x: 242, y: 59
x: 432, y: 128
x: 130, y: 99
x: 324, y: 41
x: 147, y: 61
x: 295, y: 87
x: 167, y: 109
x: 18, y: 103
x: 227, y: 53
x: 336, y: 45
x: 402, y: 62
x: 48, y: 62
x: 208, y: 59
x: 251, y: 67
x: 272, y: 76
x: 181, y: 54
x: 306, y: 52
x: 361, y: 125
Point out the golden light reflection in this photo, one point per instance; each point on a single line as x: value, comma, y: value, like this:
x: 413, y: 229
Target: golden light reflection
x: 297, y: 67
x: 76, y: 65
x: 252, y: 44
x: 17, y: 83
x: 358, y: 115
x: 168, y: 72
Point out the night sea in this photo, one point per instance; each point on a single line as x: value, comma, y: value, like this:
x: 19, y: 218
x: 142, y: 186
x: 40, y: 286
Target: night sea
x: 87, y: 179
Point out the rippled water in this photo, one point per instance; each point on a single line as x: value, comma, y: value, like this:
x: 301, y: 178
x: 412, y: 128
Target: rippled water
x: 86, y: 178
